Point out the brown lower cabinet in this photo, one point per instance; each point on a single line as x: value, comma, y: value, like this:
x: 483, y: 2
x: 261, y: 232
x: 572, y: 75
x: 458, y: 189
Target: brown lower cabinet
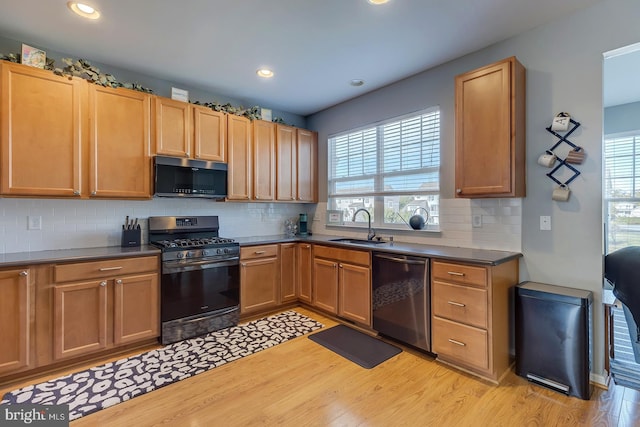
x: 16, y: 296
x: 118, y: 305
x: 470, y: 318
x: 60, y: 313
x: 259, y: 278
x: 342, y: 282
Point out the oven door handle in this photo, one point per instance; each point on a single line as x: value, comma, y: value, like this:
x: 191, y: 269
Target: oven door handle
x: 169, y: 267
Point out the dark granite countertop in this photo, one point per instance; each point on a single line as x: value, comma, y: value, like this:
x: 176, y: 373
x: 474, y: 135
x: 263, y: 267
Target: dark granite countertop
x: 476, y: 256
x: 81, y: 254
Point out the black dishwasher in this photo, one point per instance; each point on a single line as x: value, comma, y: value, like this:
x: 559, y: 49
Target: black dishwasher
x: 401, y: 298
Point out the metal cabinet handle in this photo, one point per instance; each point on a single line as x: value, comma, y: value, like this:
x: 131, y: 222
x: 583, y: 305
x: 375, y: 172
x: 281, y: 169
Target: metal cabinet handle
x: 455, y: 273
x: 457, y: 304
x: 340, y: 265
x: 93, y: 193
x: 457, y: 342
x: 110, y: 268
x: 103, y: 283
x: 24, y: 273
x: 243, y: 264
x: 459, y: 190
x: 119, y: 282
x: 76, y: 192
x: 260, y: 252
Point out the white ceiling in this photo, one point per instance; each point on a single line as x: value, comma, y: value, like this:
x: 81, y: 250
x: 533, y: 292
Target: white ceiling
x: 315, y: 47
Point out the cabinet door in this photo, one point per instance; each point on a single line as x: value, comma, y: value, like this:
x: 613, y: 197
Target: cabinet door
x: 305, y: 272
x: 15, y: 292
x: 173, y: 133
x: 288, y: 272
x: 286, y: 163
x: 120, y: 138
x: 209, y: 134
x: 325, y: 280
x: 80, y: 318
x: 355, y: 293
x: 258, y: 284
x: 307, y: 142
x: 42, y: 117
x: 490, y: 131
x: 264, y: 160
x: 239, y: 157
x: 135, y: 305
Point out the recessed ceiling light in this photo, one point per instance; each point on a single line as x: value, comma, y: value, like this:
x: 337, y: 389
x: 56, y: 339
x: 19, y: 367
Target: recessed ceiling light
x: 83, y: 10
x: 356, y: 82
x: 378, y: 1
x: 265, y: 72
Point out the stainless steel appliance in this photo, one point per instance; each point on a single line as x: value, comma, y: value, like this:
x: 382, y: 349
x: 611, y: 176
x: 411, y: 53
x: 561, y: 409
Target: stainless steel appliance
x: 401, y: 298
x: 200, y: 280
x: 179, y: 177
x: 553, y: 337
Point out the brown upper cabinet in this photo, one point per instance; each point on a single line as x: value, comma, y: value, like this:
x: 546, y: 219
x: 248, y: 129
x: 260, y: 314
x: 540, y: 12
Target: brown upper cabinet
x: 187, y: 130
x: 65, y: 137
x: 264, y: 160
x: 296, y: 178
x: 239, y: 181
x: 490, y: 131
x: 119, y: 143
x: 42, y: 118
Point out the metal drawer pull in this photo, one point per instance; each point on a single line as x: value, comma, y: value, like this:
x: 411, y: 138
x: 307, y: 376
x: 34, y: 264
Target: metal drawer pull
x: 23, y: 273
x: 103, y: 284
x: 457, y: 304
x: 260, y: 252
x: 455, y: 273
x: 110, y: 268
x: 457, y: 342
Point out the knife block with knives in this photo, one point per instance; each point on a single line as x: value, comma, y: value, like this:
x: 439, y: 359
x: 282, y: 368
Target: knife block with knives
x: 131, y: 233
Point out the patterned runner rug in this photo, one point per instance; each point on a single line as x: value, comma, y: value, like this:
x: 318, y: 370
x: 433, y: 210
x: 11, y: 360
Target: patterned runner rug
x: 103, y: 386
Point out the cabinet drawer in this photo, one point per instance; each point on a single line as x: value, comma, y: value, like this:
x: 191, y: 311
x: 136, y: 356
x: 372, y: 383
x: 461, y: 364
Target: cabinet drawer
x: 465, y: 344
x: 107, y: 268
x: 346, y: 255
x: 460, y: 303
x: 461, y: 273
x: 262, y: 251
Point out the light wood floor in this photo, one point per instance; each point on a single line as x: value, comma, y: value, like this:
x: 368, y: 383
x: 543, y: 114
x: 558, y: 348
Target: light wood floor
x: 300, y: 383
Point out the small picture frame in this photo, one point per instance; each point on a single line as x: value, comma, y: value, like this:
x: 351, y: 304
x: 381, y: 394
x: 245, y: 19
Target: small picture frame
x: 33, y: 57
x: 335, y: 217
x: 179, y: 94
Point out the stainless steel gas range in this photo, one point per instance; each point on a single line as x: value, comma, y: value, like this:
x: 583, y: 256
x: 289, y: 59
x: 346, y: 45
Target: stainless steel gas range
x: 200, y: 281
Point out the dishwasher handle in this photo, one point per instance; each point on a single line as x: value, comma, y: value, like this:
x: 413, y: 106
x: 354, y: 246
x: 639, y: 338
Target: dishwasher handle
x: 402, y: 260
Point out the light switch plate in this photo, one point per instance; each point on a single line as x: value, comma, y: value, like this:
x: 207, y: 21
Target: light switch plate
x: 545, y: 223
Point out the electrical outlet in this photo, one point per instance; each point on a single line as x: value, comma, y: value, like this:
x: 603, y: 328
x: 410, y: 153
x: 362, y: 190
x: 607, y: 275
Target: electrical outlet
x: 34, y: 222
x: 545, y: 223
x: 476, y: 221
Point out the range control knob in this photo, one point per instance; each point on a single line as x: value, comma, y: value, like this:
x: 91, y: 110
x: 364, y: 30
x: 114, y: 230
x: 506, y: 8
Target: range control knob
x: 205, y: 253
x: 189, y: 254
x: 179, y: 255
x: 218, y: 251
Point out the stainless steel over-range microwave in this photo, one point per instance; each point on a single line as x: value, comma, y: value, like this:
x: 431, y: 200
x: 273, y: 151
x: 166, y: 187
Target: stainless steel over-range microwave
x: 179, y: 177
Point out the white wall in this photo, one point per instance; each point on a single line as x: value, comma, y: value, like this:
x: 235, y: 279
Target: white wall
x: 564, y: 73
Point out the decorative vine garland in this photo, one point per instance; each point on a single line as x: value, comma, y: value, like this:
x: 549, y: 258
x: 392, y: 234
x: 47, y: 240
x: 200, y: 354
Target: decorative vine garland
x: 83, y: 69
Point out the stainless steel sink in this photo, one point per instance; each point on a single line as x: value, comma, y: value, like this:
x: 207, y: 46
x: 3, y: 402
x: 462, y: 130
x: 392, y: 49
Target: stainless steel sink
x: 358, y: 241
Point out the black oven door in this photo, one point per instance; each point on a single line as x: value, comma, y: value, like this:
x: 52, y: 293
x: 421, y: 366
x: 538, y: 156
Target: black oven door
x: 200, y: 287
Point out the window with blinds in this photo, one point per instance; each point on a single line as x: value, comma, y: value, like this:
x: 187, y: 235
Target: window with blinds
x: 622, y: 190
x: 391, y: 168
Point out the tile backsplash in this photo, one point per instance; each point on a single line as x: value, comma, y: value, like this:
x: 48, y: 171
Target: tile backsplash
x: 92, y: 223
x: 501, y: 227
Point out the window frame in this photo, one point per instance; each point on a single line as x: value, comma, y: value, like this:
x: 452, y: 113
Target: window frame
x: 379, y: 196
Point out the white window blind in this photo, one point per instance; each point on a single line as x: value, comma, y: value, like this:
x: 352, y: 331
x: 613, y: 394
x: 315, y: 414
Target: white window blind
x: 399, y: 157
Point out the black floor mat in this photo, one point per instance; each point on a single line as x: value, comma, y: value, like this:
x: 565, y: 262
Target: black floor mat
x: 360, y: 348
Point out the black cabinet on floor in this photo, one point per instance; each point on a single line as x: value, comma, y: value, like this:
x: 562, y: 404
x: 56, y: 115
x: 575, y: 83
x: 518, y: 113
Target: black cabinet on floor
x: 553, y: 337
